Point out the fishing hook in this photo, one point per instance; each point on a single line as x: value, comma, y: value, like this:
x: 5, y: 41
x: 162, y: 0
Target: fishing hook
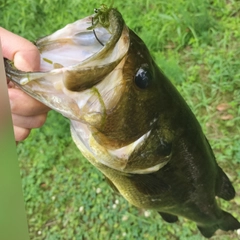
x: 96, y: 35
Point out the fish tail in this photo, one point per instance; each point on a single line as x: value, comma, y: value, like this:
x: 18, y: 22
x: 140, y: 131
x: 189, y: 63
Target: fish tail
x: 224, y: 188
x: 227, y: 223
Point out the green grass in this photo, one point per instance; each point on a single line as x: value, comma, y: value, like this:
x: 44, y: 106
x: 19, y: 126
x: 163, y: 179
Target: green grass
x: 197, y: 45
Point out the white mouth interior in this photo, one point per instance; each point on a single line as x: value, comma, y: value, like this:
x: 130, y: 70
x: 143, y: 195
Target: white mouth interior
x: 71, y: 44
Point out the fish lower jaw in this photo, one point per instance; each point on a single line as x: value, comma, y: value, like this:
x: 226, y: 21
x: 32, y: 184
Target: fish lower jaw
x: 102, y: 157
x: 148, y: 170
x: 121, y: 166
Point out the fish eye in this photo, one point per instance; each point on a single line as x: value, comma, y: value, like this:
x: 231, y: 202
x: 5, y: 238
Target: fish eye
x: 142, y: 78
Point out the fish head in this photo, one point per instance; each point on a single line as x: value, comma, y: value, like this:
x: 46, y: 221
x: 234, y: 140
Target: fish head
x: 99, y: 72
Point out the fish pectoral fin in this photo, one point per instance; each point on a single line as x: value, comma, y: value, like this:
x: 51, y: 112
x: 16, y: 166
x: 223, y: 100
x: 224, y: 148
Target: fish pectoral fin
x: 111, y: 184
x: 224, y: 188
x: 168, y: 217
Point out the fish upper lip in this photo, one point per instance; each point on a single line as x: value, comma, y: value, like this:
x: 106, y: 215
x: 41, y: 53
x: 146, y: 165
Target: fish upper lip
x: 76, y: 32
x: 84, y: 63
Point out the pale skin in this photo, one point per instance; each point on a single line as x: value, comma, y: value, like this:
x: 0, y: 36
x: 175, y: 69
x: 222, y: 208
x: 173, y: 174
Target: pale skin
x: 27, y: 113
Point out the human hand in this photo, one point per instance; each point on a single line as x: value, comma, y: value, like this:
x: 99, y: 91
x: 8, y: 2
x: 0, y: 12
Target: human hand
x: 27, y: 113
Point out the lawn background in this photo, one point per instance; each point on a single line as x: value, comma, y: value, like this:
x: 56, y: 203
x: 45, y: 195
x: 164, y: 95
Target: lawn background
x: 197, y: 45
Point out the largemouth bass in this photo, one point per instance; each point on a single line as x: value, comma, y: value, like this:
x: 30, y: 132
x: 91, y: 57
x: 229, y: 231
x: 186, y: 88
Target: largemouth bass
x: 129, y: 121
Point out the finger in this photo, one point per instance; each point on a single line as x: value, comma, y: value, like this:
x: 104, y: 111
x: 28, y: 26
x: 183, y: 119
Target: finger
x: 20, y: 133
x: 24, y: 105
x: 29, y: 122
x: 25, y: 54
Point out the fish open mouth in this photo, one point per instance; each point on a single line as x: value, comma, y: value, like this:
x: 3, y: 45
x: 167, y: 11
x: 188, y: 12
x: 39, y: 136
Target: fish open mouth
x: 79, y: 72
